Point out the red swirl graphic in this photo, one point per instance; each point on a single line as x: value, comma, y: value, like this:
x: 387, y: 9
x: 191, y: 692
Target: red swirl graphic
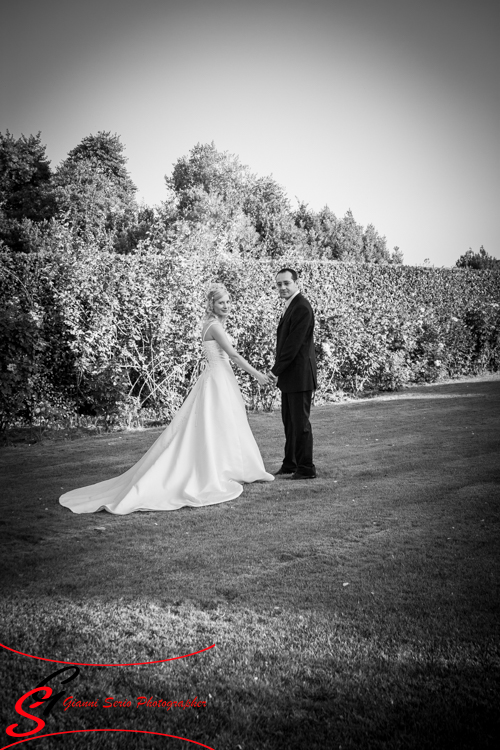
x: 82, y: 664
x: 137, y: 731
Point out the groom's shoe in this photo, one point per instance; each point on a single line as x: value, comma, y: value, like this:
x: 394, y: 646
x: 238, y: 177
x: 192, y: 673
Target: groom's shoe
x: 296, y: 475
x: 283, y: 472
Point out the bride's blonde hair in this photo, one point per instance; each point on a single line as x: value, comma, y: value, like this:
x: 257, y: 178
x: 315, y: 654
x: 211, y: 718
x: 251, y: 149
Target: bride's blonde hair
x: 214, y: 292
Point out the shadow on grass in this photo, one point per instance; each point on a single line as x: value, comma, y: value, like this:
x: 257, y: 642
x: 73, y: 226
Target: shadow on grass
x: 274, y: 680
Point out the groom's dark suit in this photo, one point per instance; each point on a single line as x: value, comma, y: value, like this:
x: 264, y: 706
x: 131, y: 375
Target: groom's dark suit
x: 295, y: 367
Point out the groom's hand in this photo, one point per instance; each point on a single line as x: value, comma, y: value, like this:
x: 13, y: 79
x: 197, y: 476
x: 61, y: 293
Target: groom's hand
x: 272, y: 377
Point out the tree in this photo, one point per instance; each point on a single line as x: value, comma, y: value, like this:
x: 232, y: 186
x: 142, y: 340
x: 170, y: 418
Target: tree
x: 308, y: 223
x: 342, y: 239
x: 244, y: 214
x: 375, y: 248
x: 397, y: 255
x: 477, y: 260
x: 95, y: 195
x: 269, y: 209
x: 349, y: 239
x: 206, y: 171
x: 329, y: 225
x: 252, y: 215
x: 105, y: 153
x: 318, y: 230
x: 25, y: 187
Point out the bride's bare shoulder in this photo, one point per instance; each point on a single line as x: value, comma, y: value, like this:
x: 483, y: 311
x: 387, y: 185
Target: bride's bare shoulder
x: 208, y: 330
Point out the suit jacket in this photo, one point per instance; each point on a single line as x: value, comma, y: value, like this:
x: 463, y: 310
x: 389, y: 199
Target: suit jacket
x: 295, y: 363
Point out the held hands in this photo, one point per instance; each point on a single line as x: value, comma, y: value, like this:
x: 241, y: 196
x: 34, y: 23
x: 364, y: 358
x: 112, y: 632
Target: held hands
x: 266, y: 378
x: 262, y: 378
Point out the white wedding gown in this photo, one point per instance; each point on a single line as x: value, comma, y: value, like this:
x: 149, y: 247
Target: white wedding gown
x: 200, y: 459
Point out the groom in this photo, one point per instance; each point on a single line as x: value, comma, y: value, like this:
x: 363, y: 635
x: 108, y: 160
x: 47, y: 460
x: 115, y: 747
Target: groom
x: 295, y: 374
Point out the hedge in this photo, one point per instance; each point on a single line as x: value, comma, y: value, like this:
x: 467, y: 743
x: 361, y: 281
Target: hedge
x: 116, y: 339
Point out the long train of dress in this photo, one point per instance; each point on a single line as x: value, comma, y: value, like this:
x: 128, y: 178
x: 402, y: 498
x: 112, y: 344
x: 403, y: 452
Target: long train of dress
x: 201, y: 458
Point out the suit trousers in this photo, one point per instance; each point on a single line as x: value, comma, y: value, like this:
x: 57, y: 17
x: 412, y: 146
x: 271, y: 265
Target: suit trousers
x: 295, y: 411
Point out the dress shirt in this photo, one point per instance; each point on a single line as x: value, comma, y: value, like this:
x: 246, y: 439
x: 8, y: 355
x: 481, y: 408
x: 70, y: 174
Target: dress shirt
x: 287, y: 302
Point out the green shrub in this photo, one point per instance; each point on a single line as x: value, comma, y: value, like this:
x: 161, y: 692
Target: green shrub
x: 112, y: 338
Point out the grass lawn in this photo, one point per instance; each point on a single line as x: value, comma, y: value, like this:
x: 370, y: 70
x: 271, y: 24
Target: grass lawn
x: 357, y: 611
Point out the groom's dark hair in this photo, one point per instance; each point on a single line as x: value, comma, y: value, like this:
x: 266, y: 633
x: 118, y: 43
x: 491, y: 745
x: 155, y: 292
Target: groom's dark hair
x: 290, y: 270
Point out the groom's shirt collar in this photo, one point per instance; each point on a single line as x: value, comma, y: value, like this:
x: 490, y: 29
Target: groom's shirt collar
x: 288, y: 301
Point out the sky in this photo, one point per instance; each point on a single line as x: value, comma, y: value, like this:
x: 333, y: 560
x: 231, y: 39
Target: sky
x: 390, y: 108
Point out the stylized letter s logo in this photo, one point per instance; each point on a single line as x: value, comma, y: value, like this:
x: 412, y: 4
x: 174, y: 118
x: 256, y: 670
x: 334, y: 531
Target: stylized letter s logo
x: 18, y: 707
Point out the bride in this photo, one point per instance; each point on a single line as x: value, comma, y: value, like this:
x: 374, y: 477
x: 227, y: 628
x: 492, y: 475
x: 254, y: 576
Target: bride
x: 207, y: 450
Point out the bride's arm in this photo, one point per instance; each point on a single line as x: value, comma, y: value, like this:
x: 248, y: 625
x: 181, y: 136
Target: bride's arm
x: 220, y: 336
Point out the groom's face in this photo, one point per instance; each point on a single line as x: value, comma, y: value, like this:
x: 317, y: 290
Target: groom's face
x: 286, y: 285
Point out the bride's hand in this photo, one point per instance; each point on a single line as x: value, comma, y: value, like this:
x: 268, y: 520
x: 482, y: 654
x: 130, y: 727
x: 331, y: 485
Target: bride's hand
x: 262, y: 379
